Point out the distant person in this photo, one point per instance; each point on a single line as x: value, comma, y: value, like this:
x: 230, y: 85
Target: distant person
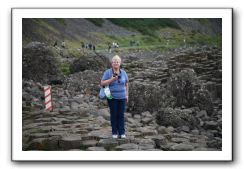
x: 94, y: 47
x: 55, y: 43
x: 109, y: 47
x: 132, y: 43
x: 90, y: 46
x: 82, y: 45
x: 184, y: 42
x: 63, y: 44
x: 167, y: 43
x: 117, y: 80
x: 115, y: 45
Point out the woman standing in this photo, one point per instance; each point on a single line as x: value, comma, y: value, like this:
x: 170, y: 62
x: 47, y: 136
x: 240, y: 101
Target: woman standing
x: 117, y: 80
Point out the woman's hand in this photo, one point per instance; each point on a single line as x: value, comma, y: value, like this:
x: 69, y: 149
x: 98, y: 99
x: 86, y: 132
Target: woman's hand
x: 113, y: 78
x: 107, y: 82
x: 127, y: 99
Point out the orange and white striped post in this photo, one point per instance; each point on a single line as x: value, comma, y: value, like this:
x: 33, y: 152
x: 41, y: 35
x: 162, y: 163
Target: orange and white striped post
x: 48, y: 98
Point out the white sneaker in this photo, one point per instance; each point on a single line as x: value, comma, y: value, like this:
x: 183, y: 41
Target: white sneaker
x: 114, y: 136
x: 123, y: 136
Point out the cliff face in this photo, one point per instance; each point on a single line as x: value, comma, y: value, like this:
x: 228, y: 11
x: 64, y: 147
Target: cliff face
x: 205, y: 26
x: 75, y: 29
x: 70, y: 28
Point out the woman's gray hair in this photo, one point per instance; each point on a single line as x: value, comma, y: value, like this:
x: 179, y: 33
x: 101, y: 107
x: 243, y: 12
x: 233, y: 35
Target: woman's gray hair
x: 116, y: 57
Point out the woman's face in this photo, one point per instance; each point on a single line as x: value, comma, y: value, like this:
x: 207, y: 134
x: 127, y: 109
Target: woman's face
x: 116, y: 64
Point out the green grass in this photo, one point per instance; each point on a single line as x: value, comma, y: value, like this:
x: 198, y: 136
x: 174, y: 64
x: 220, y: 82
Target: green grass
x: 147, y: 43
x: 37, y: 20
x: 25, y: 42
x: 44, y: 31
x: 65, y: 68
x: 200, y: 39
x: 73, y: 44
x: 43, y: 23
x: 124, y: 41
x: 61, y: 21
x: 96, y: 21
x: 204, y: 21
x: 104, y: 40
x: 146, y: 26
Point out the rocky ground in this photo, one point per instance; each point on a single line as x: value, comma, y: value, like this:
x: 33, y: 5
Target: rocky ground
x: 80, y: 121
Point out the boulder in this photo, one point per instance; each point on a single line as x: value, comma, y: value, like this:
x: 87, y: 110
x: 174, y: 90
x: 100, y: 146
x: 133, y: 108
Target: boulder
x: 96, y: 149
x: 71, y: 141
x: 94, y: 62
x: 86, y: 82
x: 129, y: 146
x: 182, y: 147
x: 40, y: 63
x: 51, y: 143
x: 176, y: 118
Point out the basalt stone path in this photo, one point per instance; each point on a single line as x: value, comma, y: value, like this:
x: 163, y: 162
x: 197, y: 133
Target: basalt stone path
x: 84, y: 126
x: 80, y: 121
x: 88, y: 132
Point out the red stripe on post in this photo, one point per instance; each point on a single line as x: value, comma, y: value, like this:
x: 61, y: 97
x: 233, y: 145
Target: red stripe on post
x: 50, y: 108
x: 48, y: 101
x: 48, y: 95
x: 46, y: 89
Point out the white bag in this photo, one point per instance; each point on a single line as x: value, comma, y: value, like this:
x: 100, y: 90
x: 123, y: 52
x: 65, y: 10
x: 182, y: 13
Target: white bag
x: 107, y: 92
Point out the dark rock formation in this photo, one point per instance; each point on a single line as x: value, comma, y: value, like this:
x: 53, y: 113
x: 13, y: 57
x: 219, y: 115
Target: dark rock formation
x: 40, y: 63
x: 90, y: 62
x: 185, y: 89
x: 86, y: 82
x: 177, y: 118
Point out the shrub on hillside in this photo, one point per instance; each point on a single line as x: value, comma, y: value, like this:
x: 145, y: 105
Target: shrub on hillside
x: 96, y: 21
x: 185, y: 89
x: 146, y: 26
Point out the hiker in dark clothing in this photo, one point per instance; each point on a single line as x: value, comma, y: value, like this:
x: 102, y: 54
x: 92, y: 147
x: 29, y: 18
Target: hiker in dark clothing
x: 109, y: 47
x: 55, y: 43
x: 82, y: 45
x: 90, y: 46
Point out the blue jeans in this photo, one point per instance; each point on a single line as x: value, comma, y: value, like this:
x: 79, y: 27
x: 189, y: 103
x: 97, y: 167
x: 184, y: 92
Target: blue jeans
x: 117, y: 111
